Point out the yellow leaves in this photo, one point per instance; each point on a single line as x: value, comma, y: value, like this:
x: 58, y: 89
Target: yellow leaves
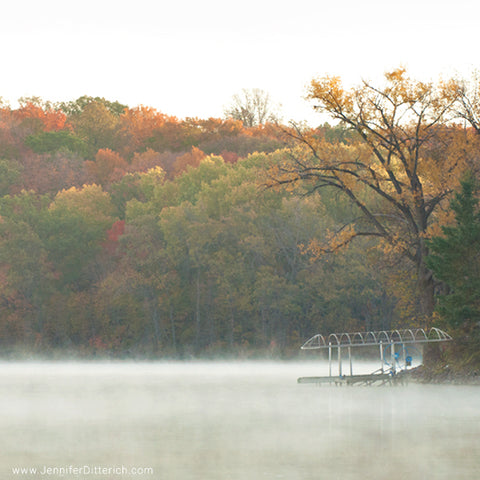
x: 443, y: 217
x: 397, y: 75
x: 337, y: 240
x: 400, y: 101
x: 331, y: 94
x: 401, y: 284
x: 348, y: 181
x: 95, y: 116
x: 285, y: 174
x: 90, y: 201
x: 394, y: 246
x: 402, y: 90
x: 157, y: 173
x: 278, y: 170
x: 450, y: 89
x: 334, y: 242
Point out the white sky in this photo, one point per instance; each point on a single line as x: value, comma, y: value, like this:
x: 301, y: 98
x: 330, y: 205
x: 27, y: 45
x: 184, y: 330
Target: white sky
x: 188, y: 57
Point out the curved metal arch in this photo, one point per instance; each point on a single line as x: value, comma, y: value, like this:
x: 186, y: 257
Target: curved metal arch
x: 371, y: 338
x: 359, y: 339
x: 383, y: 337
x: 437, y: 335
x: 420, y: 335
x: 396, y: 337
x: 409, y: 333
x: 333, y: 339
x: 318, y: 341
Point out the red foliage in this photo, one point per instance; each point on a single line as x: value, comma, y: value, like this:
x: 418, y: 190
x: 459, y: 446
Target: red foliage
x: 98, y: 344
x: 117, y: 230
x: 142, y: 162
x: 110, y: 245
x: 50, y: 173
x: 8, y: 146
x: 229, y: 157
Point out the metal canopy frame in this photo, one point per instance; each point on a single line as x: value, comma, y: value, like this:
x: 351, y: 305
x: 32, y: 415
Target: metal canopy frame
x: 360, y: 339
x: 384, y: 339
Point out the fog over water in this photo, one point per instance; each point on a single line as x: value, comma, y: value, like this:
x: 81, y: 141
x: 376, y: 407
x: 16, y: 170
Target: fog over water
x: 244, y: 420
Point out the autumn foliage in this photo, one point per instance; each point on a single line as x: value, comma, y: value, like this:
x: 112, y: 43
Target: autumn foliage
x: 46, y: 119
x: 406, y: 160
x: 127, y: 231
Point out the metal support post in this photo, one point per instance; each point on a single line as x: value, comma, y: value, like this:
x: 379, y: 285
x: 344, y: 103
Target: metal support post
x: 330, y: 359
x: 339, y: 361
x: 350, y: 358
x: 394, y: 365
x: 381, y: 357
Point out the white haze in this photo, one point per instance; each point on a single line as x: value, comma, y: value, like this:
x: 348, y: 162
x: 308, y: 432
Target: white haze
x: 236, y: 421
x: 187, y: 58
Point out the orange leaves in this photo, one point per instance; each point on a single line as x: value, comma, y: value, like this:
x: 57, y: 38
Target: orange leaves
x: 54, y: 120
x: 138, y: 124
x: 142, y: 120
x: 190, y: 159
x: 219, y: 127
x: 50, y: 120
x: 108, y: 167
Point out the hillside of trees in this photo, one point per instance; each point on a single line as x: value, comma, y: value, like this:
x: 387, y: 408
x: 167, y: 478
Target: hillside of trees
x: 128, y: 232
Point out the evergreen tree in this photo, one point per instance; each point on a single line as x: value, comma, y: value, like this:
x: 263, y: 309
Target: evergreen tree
x: 455, y: 259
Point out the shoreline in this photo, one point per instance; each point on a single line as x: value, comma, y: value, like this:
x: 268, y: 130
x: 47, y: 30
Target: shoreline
x: 444, y: 376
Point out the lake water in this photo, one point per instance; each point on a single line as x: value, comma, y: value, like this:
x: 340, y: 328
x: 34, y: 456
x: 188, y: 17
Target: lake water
x: 229, y: 421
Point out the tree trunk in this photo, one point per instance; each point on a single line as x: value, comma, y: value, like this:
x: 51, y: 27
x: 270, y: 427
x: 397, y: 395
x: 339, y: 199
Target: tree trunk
x: 426, y: 292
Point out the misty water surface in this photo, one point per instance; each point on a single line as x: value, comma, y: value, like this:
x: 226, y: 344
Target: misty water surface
x: 232, y: 421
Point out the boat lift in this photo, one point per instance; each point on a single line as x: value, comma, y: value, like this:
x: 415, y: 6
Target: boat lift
x: 391, y: 344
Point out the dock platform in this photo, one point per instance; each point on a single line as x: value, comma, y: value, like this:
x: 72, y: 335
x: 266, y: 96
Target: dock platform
x: 366, y: 379
x: 393, y: 345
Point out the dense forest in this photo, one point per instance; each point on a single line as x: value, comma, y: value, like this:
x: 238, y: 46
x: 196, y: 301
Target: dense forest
x: 128, y: 232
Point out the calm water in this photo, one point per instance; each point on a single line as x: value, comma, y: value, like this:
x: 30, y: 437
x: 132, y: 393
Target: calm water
x: 224, y: 421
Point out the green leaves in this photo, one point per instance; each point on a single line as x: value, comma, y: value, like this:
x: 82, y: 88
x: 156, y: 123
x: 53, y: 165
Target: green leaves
x: 455, y: 258
x: 47, y: 142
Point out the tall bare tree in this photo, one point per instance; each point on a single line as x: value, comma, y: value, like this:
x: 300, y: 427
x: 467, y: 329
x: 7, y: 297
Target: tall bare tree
x: 469, y: 101
x: 253, y: 107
